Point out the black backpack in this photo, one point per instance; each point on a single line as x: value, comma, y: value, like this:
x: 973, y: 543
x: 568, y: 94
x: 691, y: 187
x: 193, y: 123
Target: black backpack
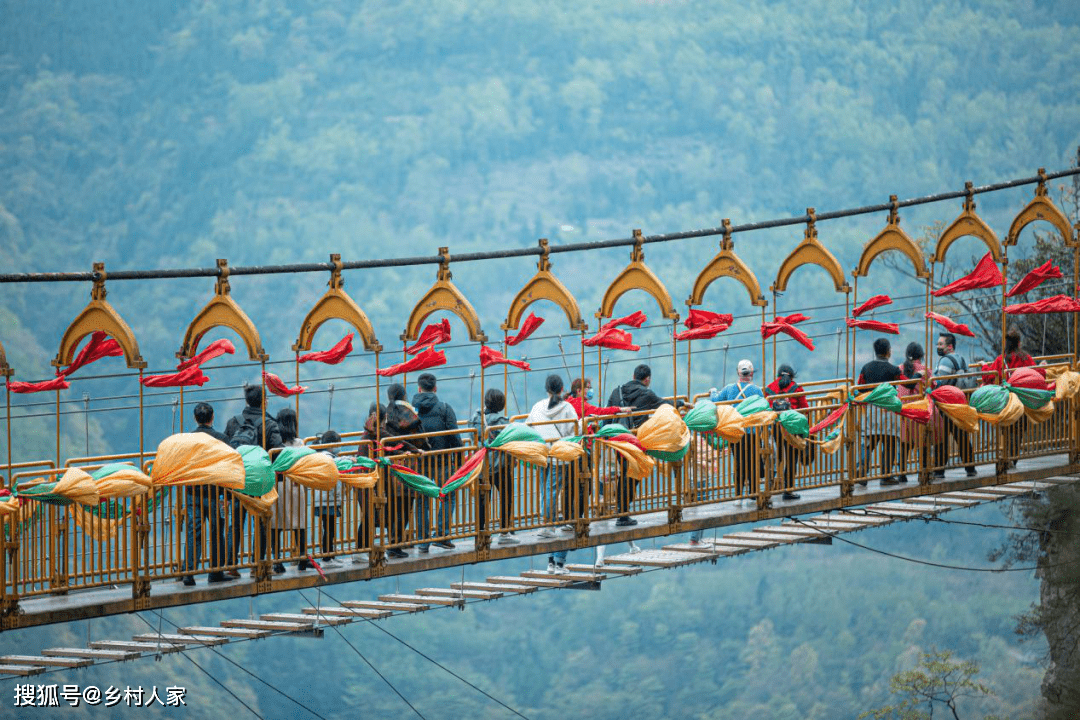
x: 246, y: 433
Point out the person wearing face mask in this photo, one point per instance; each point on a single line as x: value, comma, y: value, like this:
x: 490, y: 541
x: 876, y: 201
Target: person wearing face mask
x: 785, y: 384
x: 580, y: 400
x: 952, y: 363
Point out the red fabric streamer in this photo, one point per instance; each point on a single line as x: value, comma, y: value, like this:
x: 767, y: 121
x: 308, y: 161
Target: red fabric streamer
x: 527, y: 328
x: 427, y: 359
x: 100, y: 345
x: 985, y: 275
x: 332, y: 356
x: 215, y: 349
x: 949, y: 394
x: 703, y: 332
x: 634, y: 320
x: 874, y: 302
x: 57, y: 383
x: 702, y: 318
x: 612, y: 338
x: 785, y: 324
x: 950, y: 324
x: 489, y: 357
x: 432, y: 335
x: 191, y: 376
x: 875, y: 325
x: 1056, y: 304
x: 1035, y: 278
x: 830, y: 419
x: 277, y: 386
x: 920, y: 416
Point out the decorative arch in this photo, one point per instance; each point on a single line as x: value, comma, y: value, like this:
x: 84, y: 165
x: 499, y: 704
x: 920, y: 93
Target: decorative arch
x: 727, y: 264
x: 1041, y: 207
x: 968, y: 223
x: 336, y: 305
x: 544, y: 286
x: 222, y: 311
x: 810, y: 252
x: 444, y: 295
x: 98, y: 315
x: 5, y: 369
x: 637, y: 276
x: 892, y: 238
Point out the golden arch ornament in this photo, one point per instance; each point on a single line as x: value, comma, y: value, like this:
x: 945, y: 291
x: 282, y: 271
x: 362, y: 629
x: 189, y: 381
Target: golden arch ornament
x: 5, y: 369
x: 544, y: 286
x: 1041, y: 207
x: 892, y: 238
x: 968, y: 223
x: 810, y: 252
x: 727, y: 264
x: 637, y: 276
x: 444, y: 295
x: 336, y: 304
x: 222, y: 311
x: 98, y: 315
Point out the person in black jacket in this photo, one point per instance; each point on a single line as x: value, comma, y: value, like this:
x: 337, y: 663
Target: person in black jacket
x: 201, y: 502
x: 878, y: 427
x: 436, y: 416
x: 401, y: 419
x: 637, y: 395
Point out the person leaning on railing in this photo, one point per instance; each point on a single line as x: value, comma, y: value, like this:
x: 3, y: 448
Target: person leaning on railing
x: 436, y: 416
x: 402, y: 419
x: 914, y: 371
x: 500, y: 467
x: 580, y: 393
x: 996, y: 373
x: 785, y: 384
x: 951, y: 363
x: 553, y: 418
x: 203, y: 502
x: 877, y: 427
x: 748, y: 462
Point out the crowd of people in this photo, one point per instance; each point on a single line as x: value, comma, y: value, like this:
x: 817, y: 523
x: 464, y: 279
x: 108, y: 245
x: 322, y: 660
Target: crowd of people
x: 428, y: 427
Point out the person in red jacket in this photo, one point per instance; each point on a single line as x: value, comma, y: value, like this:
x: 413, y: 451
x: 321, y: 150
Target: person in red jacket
x: 782, y: 385
x: 998, y: 371
x: 580, y: 394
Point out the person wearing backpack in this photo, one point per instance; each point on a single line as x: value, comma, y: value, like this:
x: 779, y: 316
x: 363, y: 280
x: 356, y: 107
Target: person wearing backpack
x: 500, y: 467
x: 877, y: 427
x: 202, y: 502
x: 247, y: 429
x: 952, y: 363
x: 436, y: 416
x: 402, y: 419
x: 748, y: 464
x: 327, y: 505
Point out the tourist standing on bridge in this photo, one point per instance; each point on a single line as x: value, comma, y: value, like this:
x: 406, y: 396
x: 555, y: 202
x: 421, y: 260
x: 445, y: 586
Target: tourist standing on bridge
x: 500, y: 467
x: 327, y: 505
x: 997, y: 372
x: 437, y: 416
x: 951, y: 363
x: 247, y: 429
x: 203, y: 502
x: 401, y: 419
x: 914, y: 372
x: 553, y: 418
x: 744, y: 453
x: 785, y: 384
x: 290, y: 511
x: 877, y: 426
x: 581, y: 393
x: 636, y: 395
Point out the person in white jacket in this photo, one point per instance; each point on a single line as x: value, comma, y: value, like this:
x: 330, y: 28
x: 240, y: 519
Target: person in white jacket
x: 550, y: 412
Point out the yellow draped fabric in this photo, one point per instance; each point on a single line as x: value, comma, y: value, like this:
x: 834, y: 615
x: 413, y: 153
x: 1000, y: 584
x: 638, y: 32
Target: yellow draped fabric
x: 638, y: 464
x: 316, y: 471
x: 360, y: 481
x: 258, y: 505
x: 1068, y: 384
x: 796, y: 441
x: 529, y: 451
x: 196, y: 459
x: 1040, y: 414
x: 126, y: 482
x: 664, y: 431
x: 965, y: 416
x: 97, y: 527
x: 1013, y: 411
x: 565, y: 451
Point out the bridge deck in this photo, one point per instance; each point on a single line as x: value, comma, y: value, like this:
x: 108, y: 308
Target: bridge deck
x: 110, y: 601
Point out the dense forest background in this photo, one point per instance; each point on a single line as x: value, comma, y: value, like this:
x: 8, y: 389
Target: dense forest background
x: 169, y: 134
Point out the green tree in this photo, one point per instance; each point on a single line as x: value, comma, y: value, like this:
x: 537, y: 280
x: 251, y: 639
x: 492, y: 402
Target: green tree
x: 936, y: 680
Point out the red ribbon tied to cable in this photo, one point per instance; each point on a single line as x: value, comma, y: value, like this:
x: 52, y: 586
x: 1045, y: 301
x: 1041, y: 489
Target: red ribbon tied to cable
x: 57, y: 383
x: 634, y: 320
x: 612, y: 338
x: 874, y: 302
x: 215, y: 349
x: 190, y: 376
x: 527, y: 328
x: 433, y: 335
x: 876, y: 325
x: 950, y: 324
x: 100, y: 346
x: 332, y: 356
x: 985, y: 275
x: 704, y: 324
x: 1056, y: 304
x: 786, y: 324
x: 277, y: 386
x: 427, y: 359
x: 1035, y: 278
x: 489, y: 357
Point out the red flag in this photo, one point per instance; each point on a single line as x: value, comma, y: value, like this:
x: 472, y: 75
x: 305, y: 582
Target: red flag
x: 876, y: 325
x: 432, y: 335
x: 785, y: 324
x: 332, y: 356
x: 874, y: 302
x: 100, y: 345
x: 612, y: 338
x: 950, y: 324
x: 191, y: 376
x: 985, y: 275
x: 703, y: 332
x: 277, y: 386
x: 427, y: 359
x: 213, y: 350
x: 57, y: 383
x: 830, y: 419
x: 635, y: 320
x: 489, y: 357
x: 1035, y: 278
x: 701, y: 318
x: 527, y: 328
x: 1056, y: 304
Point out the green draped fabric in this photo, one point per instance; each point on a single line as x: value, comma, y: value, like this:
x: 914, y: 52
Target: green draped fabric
x: 258, y: 474
x: 990, y: 399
